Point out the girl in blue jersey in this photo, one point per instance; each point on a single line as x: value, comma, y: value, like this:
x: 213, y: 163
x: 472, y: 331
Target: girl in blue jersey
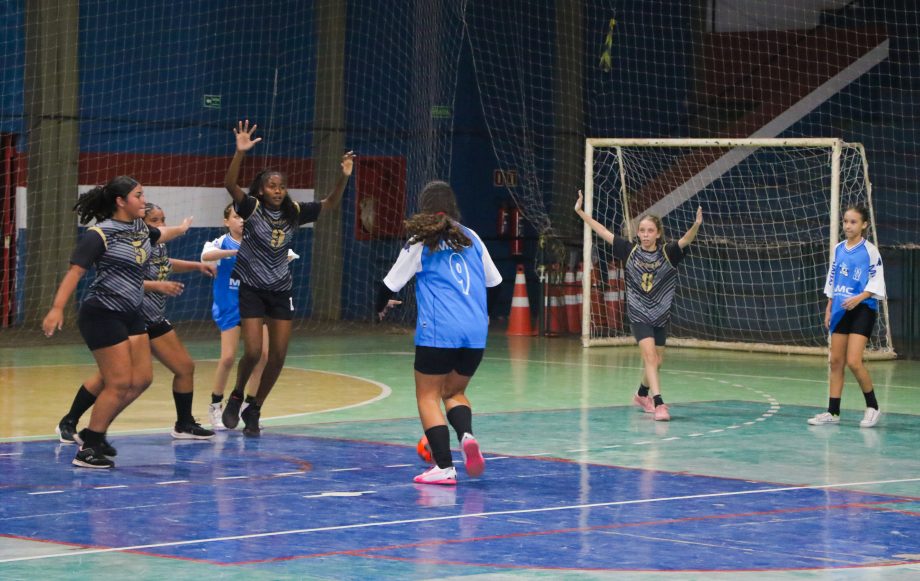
x: 226, y: 313
x: 452, y: 269
x: 650, y: 268
x: 110, y: 318
x: 855, y: 285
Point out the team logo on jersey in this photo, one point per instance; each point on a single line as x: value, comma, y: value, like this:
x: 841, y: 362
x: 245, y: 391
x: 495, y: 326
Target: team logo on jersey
x: 857, y: 273
x: 842, y: 289
x: 140, y: 255
x: 277, y: 238
x: 648, y: 280
x: 461, y: 272
x: 163, y: 269
x: 844, y: 270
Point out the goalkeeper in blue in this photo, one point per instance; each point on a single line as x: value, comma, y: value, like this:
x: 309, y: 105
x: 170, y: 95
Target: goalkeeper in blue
x: 855, y: 285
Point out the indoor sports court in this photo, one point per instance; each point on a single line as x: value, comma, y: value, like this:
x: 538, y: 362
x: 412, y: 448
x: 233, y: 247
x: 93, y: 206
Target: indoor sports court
x: 729, y: 185
x: 578, y: 481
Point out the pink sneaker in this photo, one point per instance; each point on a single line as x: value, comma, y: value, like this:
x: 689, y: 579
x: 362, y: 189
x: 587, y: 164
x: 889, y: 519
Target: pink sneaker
x: 644, y: 402
x: 472, y: 457
x: 434, y: 475
x: 661, y: 413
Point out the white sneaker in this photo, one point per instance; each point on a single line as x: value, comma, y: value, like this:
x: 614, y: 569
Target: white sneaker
x: 824, y: 418
x: 870, y: 418
x: 434, y: 475
x: 214, y: 413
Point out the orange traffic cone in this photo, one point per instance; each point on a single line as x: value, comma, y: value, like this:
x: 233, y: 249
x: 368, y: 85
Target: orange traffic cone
x: 519, y: 319
x: 598, y: 308
x: 614, y: 296
x: 554, y: 300
x: 572, y: 312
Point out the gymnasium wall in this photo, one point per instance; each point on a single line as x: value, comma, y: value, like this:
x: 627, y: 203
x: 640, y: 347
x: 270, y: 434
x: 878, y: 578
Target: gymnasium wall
x: 145, y: 71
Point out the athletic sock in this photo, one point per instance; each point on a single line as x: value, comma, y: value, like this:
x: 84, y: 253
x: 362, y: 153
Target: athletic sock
x: 439, y: 442
x: 643, y: 390
x: 81, y: 402
x: 658, y: 400
x: 215, y: 398
x: 183, y: 407
x: 871, y: 402
x: 833, y: 406
x: 461, y: 419
x: 91, y: 438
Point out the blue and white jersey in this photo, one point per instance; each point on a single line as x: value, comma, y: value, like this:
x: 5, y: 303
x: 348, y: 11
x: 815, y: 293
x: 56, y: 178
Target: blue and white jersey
x: 226, y: 289
x: 450, y: 288
x: 854, y: 270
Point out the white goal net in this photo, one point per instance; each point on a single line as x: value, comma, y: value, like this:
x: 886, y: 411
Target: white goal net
x: 755, y: 275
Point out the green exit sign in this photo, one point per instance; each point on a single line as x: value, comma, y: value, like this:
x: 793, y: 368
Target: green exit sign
x: 441, y: 112
x: 212, y: 101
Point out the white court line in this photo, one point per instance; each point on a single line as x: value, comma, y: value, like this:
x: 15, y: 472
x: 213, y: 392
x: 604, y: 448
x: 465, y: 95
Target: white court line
x: 110, y: 487
x: 12, y: 454
x: 45, y: 492
x: 77, y: 553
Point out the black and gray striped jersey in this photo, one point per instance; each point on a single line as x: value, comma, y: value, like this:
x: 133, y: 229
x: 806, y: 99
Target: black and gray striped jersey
x: 119, y: 251
x: 262, y: 260
x: 158, y: 268
x: 651, y: 278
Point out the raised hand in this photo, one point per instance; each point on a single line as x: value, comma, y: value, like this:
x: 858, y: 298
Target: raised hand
x: 348, y: 163
x: 243, y: 132
x: 579, y: 202
x: 699, y: 215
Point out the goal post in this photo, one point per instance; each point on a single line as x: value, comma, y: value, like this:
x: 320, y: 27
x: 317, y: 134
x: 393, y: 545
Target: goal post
x: 754, y: 277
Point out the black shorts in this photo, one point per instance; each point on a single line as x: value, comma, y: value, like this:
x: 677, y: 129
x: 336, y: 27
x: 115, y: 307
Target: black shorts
x: 860, y: 320
x: 257, y: 303
x: 102, y: 327
x: 440, y: 360
x: 643, y: 331
x: 156, y: 330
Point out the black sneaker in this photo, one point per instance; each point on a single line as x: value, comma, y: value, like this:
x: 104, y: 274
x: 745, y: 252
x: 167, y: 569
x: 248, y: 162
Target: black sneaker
x: 191, y: 430
x: 250, y: 417
x: 92, y: 458
x: 231, y: 415
x: 66, y: 429
x: 105, y: 447
x: 108, y: 449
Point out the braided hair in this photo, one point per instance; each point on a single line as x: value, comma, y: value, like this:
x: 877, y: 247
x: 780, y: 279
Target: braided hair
x: 289, y: 210
x: 99, y: 203
x: 438, y: 219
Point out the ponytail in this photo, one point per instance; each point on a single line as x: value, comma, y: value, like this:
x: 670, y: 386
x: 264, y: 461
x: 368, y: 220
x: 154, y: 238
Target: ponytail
x: 99, y: 203
x: 438, y: 219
